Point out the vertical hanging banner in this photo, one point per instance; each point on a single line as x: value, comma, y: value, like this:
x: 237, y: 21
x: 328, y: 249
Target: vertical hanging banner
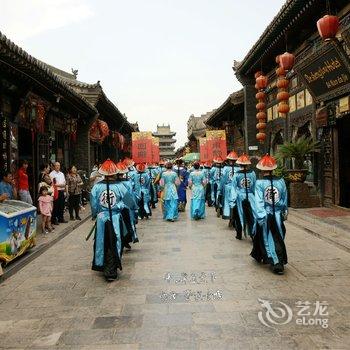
x: 155, y: 150
x: 216, y: 144
x: 203, y: 150
x: 142, y: 147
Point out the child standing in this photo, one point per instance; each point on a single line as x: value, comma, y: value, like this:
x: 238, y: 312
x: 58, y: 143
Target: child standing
x: 45, y: 206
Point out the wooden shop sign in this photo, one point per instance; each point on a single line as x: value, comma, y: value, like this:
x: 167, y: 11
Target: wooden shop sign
x: 326, y: 72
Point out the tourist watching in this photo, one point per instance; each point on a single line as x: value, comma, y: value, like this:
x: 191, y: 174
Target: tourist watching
x: 59, y: 183
x: 23, y: 183
x: 8, y: 186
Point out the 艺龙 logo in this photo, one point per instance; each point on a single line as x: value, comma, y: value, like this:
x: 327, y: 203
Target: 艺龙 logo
x: 278, y: 315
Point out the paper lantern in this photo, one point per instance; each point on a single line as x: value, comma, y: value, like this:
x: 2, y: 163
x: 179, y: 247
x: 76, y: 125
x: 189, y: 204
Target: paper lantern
x: 261, y: 137
x: 261, y: 115
x: 283, y: 108
x: 328, y: 27
x: 260, y: 95
x: 261, y: 82
x: 261, y: 106
x: 287, y: 61
x: 257, y: 74
x: 261, y: 126
x: 280, y: 72
x: 283, y: 96
x: 282, y: 83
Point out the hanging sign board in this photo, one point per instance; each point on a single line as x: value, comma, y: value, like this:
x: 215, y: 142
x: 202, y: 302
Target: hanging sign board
x: 216, y: 143
x: 326, y: 72
x: 142, y: 147
x: 203, y: 150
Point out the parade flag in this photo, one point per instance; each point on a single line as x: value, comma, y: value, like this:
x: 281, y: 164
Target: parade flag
x: 155, y: 150
x: 216, y: 144
x: 203, y: 150
x: 142, y: 147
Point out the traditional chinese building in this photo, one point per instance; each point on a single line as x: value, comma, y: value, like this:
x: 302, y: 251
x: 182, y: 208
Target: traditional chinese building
x: 196, y: 129
x: 230, y: 117
x: 166, y: 141
x: 319, y: 88
x: 41, y: 116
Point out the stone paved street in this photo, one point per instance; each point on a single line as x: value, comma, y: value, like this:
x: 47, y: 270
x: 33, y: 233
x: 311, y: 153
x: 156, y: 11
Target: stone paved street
x: 58, y: 302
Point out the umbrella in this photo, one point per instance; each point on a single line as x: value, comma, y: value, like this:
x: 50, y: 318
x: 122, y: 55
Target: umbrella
x: 191, y: 157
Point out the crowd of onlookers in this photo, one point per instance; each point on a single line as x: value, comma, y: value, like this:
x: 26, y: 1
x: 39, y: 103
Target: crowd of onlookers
x: 56, y: 189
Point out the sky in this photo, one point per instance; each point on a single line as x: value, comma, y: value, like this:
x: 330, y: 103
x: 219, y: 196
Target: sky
x: 159, y: 61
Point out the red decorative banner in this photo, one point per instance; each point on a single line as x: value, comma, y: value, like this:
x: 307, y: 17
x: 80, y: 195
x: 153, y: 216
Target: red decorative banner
x: 216, y: 144
x: 155, y: 150
x: 142, y: 147
x: 203, y: 150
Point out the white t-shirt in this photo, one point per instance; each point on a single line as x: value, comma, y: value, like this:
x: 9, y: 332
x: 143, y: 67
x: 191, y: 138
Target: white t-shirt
x: 60, y: 179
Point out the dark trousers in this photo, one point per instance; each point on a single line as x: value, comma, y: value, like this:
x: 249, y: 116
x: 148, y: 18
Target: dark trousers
x: 74, y: 204
x: 58, y: 207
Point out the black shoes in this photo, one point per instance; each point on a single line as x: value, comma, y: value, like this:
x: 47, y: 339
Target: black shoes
x: 78, y: 218
x: 72, y: 218
x: 278, y: 269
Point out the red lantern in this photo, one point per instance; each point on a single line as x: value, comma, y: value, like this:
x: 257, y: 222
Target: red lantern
x: 283, y: 108
x: 99, y: 131
x: 261, y: 116
x: 280, y: 72
x: 283, y: 96
x: 328, y: 27
x: 261, y: 136
x: 257, y: 74
x: 261, y: 82
x: 261, y: 106
x: 260, y: 95
x: 282, y: 83
x: 261, y: 126
x: 287, y: 61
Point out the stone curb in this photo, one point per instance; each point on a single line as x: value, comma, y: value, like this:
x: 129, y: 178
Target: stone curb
x: 37, y: 251
x: 319, y: 229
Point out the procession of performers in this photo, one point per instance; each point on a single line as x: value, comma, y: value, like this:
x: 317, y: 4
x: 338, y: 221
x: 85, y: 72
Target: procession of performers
x: 255, y: 208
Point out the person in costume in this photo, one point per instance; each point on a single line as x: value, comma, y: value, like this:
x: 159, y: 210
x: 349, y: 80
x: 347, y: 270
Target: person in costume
x: 168, y: 182
x: 244, y: 182
x: 131, y: 178
x: 108, y: 198
x: 153, y: 172
x: 215, y: 178
x: 206, y: 172
x: 182, y: 174
x: 228, y: 173
x: 128, y: 212
x: 197, y: 182
x: 271, y: 212
x: 142, y: 189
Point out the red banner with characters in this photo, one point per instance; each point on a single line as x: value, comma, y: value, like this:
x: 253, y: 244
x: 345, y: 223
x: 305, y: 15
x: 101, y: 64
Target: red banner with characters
x: 203, y: 150
x: 216, y: 144
x: 155, y: 150
x: 142, y: 147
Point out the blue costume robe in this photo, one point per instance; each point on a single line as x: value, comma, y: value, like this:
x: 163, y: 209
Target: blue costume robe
x: 197, y: 183
x: 183, y: 175
x: 271, y: 211
x: 215, y: 180
x: 245, y: 187
x: 153, y: 172
x: 228, y: 173
x: 105, y: 236
x: 206, y: 172
x: 170, y: 197
x: 142, y: 190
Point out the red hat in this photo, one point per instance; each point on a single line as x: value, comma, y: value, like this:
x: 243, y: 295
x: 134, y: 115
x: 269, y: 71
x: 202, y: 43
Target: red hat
x: 128, y: 162
x: 243, y: 160
x: 218, y: 160
x: 267, y: 163
x: 141, y: 168
x: 122, y: 168
x: 108, y: 168
x: 232, y: 156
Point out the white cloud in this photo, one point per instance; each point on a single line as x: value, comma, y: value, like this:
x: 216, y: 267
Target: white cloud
x: 21, y: 19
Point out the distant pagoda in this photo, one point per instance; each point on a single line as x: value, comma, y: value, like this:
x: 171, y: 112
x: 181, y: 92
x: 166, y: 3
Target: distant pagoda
x: 166, y: 141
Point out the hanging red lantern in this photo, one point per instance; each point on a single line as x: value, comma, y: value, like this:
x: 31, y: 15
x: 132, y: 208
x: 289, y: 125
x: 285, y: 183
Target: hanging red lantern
x: 280, y: 72
x: 287, y: 61
x: 99, y: 131
x: 261, y: 137
x: 261, y: 116
x: 283, y: 96
x: 261, y: 82
x: 328, y: 27
x: 261, y: 106
x: 261, y: 126
x: 257, y: 74
x: 283, y: 108
x: 282, y: 83
x: 260, y: 95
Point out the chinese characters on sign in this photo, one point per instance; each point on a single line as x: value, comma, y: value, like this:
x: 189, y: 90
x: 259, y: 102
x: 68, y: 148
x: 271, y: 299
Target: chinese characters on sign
x: 188, y: 295
x: 142, y: 147
x: 216, y: 144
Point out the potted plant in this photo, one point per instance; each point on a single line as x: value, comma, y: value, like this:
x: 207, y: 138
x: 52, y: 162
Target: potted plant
x: 296, y: 152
